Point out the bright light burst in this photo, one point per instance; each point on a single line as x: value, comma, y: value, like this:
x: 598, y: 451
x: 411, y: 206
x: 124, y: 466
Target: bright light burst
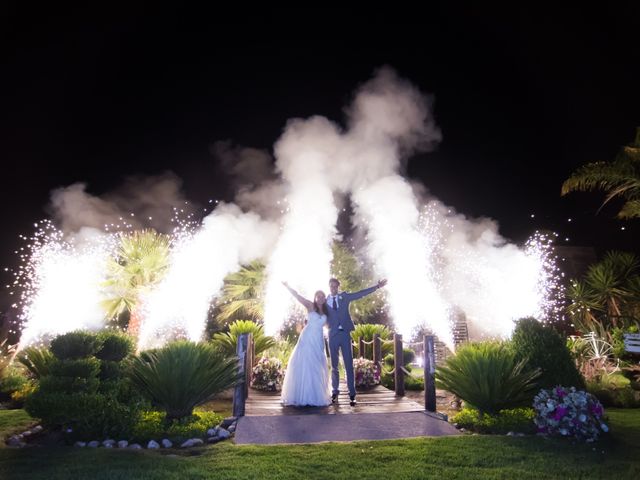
x: 61, y: 281
x: 489, y: 281
x: 202, y: 256
x: 435, y: 268
x: 403, y: 254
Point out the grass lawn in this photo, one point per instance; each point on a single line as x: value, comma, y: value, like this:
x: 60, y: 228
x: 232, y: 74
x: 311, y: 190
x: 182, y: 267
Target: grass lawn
x: 467, y: 457
x: 12, y: 421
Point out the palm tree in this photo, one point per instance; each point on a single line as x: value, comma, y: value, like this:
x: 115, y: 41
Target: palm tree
x: 608, y: 296
x: 609, y: 279
x: 243, y: 293
x: 620, y: 178
x: 141, y: 261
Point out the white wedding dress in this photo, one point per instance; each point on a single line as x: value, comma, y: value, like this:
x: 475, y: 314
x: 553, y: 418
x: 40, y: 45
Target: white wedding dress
x: 306, y: 381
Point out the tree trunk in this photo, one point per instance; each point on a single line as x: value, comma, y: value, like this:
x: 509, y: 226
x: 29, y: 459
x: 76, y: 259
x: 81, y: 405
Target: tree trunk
x: 135, y: 321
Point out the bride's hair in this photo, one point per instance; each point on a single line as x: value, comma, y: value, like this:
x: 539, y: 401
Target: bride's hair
x: 323, y: 309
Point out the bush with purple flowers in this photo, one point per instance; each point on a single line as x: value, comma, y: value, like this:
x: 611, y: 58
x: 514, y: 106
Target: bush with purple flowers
x: 569, y: 412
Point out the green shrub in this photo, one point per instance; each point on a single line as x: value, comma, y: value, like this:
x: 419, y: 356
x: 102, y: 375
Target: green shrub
x: 74, y: 345
x: 407, y: 354
x: 367, y: 331
x: 182, y: 375
x: 227, y: 342
x: 614, y: 391
x: 14, y: 380
x: 71, y: 395
x: 68, y: 385
x: 281, y: 350
x: 115, y: 345
x: 37, y: 360
x: 80, y: 368
x: 153, y: 425
x: 84, y: 416
x: 617, y: 340
x: 410, y: 383
x: 518, y: 420
x: 111, y: 371
x: 21, y: 395
x: 488, y: 377
x: 541, y: 347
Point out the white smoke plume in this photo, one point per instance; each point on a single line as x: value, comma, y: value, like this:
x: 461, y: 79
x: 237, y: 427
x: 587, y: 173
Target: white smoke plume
x: 141, y: 201
x: 302, y: 255
x: 227, y: 239
x: 258, y: 188
x: 437, y: 262
x: 387, y: 120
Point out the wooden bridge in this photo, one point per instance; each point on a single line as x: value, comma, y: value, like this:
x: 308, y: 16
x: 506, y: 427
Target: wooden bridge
x: 379, y: 413
x: 378, y: 399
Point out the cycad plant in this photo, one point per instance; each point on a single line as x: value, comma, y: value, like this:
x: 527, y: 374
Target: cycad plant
x: 367, y: 331
x: 488, y: 377
x: 182, y: 375
x: 140, y: 263
x: 228, y: 341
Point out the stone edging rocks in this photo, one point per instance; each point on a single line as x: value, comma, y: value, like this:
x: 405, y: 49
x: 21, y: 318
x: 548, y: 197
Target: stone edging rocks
x: 222, y: 432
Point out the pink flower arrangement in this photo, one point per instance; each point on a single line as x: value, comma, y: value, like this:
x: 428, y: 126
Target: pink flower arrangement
x: 267, y: 375
x: 367, y: 373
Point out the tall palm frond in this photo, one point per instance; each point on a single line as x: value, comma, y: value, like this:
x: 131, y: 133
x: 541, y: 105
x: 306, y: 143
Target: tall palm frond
x: 619, y: 179
x: 141, y: 261
x: 243, y: 293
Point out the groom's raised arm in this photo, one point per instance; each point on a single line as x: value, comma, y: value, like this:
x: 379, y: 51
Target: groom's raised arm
x: 366, y: 291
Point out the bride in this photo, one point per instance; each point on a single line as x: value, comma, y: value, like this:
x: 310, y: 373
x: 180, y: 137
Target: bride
x: 306, y: 382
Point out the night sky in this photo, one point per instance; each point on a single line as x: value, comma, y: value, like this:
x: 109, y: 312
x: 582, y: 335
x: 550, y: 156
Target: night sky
x: 523, y: 97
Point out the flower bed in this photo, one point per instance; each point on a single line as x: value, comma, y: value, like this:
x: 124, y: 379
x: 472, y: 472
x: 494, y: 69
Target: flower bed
x: 367, y: 374
x: 267, y: 375
x: 570, y: 413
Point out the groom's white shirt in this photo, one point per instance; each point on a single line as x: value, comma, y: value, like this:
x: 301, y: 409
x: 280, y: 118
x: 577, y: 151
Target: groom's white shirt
x: 337, y: 300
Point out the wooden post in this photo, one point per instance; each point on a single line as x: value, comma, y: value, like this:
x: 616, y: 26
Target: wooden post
x: 429, y: 374
x: 361, y: 346
x: 239, y: 394
x: 398, y: 364
x: 377, y: 351
x: 248, y: 364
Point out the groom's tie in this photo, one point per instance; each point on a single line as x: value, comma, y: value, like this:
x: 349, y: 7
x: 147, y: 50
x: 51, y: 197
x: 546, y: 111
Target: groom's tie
x: 335, y: 307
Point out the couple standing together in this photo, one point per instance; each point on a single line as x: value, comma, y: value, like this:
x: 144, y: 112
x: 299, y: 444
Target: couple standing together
x: 306, y: 382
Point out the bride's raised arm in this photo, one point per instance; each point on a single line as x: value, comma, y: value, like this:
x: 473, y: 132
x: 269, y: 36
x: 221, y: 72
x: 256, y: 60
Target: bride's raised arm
x: 307, y: 303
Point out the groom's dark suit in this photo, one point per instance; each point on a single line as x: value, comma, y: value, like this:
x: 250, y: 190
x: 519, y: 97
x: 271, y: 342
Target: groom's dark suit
x: 340, y: 328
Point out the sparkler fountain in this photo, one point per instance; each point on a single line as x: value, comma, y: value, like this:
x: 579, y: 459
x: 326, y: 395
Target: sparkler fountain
x: 435, y: 259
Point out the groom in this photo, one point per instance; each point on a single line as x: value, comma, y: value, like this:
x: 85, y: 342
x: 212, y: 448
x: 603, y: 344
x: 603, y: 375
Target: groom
x: 340, y: 328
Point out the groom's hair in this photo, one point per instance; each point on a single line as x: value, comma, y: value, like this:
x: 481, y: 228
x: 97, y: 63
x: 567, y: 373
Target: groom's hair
x: 334, y: 280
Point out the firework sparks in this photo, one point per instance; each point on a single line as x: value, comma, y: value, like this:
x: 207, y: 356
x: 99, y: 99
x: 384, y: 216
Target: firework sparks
x: 61, y: 282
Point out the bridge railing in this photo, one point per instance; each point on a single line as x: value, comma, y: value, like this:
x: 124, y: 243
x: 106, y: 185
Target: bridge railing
x: 245, y: 351
x: 399, y: 371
